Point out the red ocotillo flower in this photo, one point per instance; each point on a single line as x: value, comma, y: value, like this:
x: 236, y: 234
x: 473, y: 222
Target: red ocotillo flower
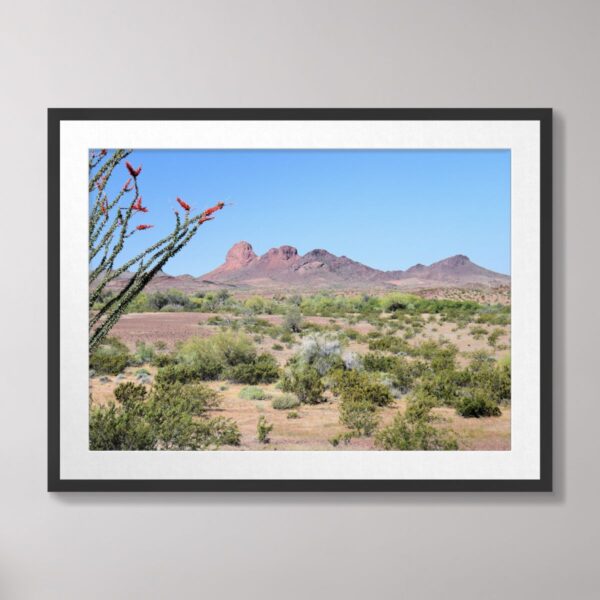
x: 142, y: 227
x: 183, y: 204
x: 103, y: 152
x: 213, y: 209
x: 104, y: 206
x: 203, y: 219
x: 126, y: 187
x: 137, y: 205
x: 133, y: 172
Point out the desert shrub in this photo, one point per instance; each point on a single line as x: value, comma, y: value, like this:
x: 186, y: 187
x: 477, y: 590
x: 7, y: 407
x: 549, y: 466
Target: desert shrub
x: 110, y: 357
x: 230, y: 354
x: 113, y: 428
x: 285, y: 402
x: 352, y: 361
x: 492, y: 377
x: 360, y: 416
x: 130, y: 394
x: 162, y: 420
x: 185, y: 373
x: 478, y: 332
x: 226, y: 348
x: 398, y: 301
x: 218, y: 431
x: 293, y: 414
x: 413, y: 430
x: 375, y: 361
x: 352, y: 334
x: 389, y: 343
x: 321, y: 352
x: 345, y: 437
x: 494, y: 336
x: 304, y: 381
x: 252, y: 392
x: 357, y: 386
x: 139, y: 304
x: 256, y: 304
x: 263, y: 369
x: 476, y: 403
x: 144, y: 353
x: 444, y: 385
x: 263, y: 428
x: 175, y: 299
x: 176, y: 414
x: 292, y: 321
x: 405, y: 373
x: 441, y: 356
x: 277, y: 347
x: 286, y: 337
x: 163, y: 359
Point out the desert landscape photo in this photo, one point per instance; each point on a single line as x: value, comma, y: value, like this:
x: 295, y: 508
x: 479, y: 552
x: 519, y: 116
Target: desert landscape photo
x: 300, y: 300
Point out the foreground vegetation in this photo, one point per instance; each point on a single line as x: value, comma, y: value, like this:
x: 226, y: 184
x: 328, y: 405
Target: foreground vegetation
x: 391, y: 382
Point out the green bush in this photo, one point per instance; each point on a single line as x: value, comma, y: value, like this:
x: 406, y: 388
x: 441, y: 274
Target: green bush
x: 389, y: 343
x: 184, y: 373
x: 253, y: 393
x: 476, y: 403
x: 263, y: 428
x: 292, y: 322
x: 172, y: 417
x: 494, y: 336
x: 357, y: 386
x: 360, y: 416
x: 441, y: 356
x: 111, y: 357
x: 305, y: 382
x: 383, y: 363
x: 263, y: 369
x: 144, y: 353
x: 397, y: 301
x: 226, y: 348
x: 293, y: 414
x: 285, y: 402
x: 173, y: 299
x: 493, y: 378
x: 163, y: 360
x: 129, y: 394
x: 445, y: 385
x: 478, y: 332
x: 113, y: 428
x: 413, y: 430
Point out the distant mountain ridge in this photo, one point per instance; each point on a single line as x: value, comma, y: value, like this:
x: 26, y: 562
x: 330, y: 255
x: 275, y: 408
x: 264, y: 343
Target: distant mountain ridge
x: 285, y: 268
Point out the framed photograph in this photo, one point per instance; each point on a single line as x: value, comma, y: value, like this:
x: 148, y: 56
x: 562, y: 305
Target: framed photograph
x: 300, y: 300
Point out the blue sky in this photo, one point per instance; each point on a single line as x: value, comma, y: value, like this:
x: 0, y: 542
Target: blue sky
x: 388, y: 209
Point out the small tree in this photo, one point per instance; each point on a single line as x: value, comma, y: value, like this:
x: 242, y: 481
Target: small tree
x: 110, y: 225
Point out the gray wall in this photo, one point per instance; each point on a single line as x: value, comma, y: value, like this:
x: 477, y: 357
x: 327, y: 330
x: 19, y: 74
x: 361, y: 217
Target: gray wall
x: 419, y: 53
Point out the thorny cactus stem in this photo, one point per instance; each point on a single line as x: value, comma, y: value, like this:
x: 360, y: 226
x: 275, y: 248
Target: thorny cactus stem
x: 109, y: 228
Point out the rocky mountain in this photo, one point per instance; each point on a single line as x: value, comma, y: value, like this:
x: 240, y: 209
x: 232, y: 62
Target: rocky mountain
x: 319, y: 268
x: 285, y: 268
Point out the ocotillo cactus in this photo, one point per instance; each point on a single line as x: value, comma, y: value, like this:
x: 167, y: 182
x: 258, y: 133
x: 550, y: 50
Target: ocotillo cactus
x: 109, y: 228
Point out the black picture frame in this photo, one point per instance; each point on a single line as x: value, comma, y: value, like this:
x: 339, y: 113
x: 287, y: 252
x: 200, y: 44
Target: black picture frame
x: 543, y: 115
